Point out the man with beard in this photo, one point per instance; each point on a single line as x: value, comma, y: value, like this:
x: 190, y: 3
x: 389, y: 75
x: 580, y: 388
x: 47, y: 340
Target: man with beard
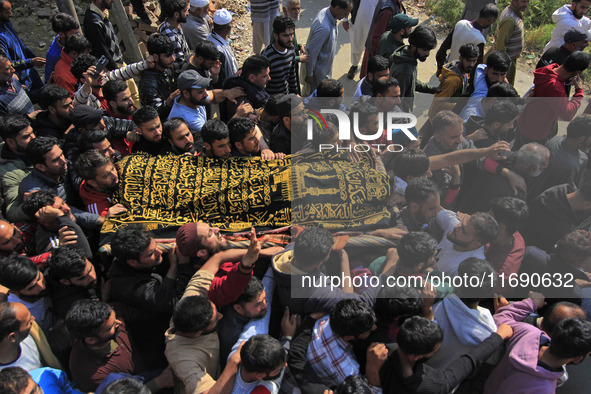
x: 97, y: 26
x: 404, y: 64
x: 100, y: 180
x: 27, y: 285
x: 179, y: 140
x: 251, y: 304
x: 281, y: 58
x: 243, y: 137
x: 453, y: 81
x: 199, y: 23
x: 22, y: 58
x: 575, y: 39
x: 157, y: 88
x: 49, y: 173
x: 23, y: 344
x: 422, y: 205
x: 216, y: 139
x: 13, y: 95
x: 399, y: 27
x: 149, y: 128
x: 192, y: 343
x: 74, y: 46
x: 70, y: 277
x: 91, y: 91
x: 466, y: 32
x: 263, y: 360
x: 498, y: 124
x: 55, y: 119
x: 463, y: 238
x: 292, y: 117
x: 119, y: 100
x: 206, y: 61
x: 566, y: 17
x: 292, y: 10
x: 16, y: 131
x: 175, y: 13
x: 222, y: 26
x: 101, y: 346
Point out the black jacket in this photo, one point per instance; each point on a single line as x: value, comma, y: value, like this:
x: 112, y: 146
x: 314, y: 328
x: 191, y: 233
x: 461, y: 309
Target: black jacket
x: 44, y: 127
x: 256, y: 96
x: 155, y: 87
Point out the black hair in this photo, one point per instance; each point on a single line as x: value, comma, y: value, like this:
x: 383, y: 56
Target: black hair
x: 130, y: 242
x: 51, y: 94
x: 416, y: 247
x: 469, y: 51
x: 170, y: 125
x: 377, y: 63
x: 63, y: 23
x: 76, y: 43
x: 112, y: 88
x: 502, y: 89
x: 85, y: 318
x: 89, y: 162
x: 323, y: 135
x: 382, y: 85
x: 579, y: 127
x: 169, y: 7
x: 271, y: 104
x: 444, y: 119
x: 577, y: 61
x: 571, y: 338
x: 423, y: 37
x: 312, y: 246
x: 282, y: 23
x: 344, y: 4
x: 192, y: 314
x: 510, y: 211
x: 502, y: 111
x: 419, y: 190
x: 254, y: 65
x: 469, y: 292
x: 576, y: 244
x: 239, y: 128
x: 207, y: 50
x: 551, y: 319
x: 38, y: 200
x: 485, y: 227
x: 262, y: 354
x: 126, y: 385
x: 329, y: 88
x: 411, y: 162
x: 8, y: 321
x: 353, y: 384
x: 11, y: 125
x: 38, y: 148
x: 81, y: 64
x: 214, y: 130
x: 13, y: 380
x: 418, y: 336
x: 17, y: 272
x: 364, y: 111
x: 160, y: 44
x: 398, y: 303
x: 253, y: 289
x: 90, y: 137
x: 351, y: 318
x: 489, y: 11
x: 66, y: 263
x: 498, y: 61
x: 144, y: 114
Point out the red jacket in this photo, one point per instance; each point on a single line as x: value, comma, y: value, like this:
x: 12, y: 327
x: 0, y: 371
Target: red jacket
x: 62, y: 76
x: 548, y: 103
x: 228, y: 284
x: 94, y: 201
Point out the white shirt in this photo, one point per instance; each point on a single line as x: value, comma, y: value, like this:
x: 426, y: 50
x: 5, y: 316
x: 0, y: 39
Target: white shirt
x: 29, y: 358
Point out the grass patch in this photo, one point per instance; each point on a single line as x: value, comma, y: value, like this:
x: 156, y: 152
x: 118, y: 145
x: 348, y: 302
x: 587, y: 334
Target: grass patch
x: 536, y: 39
x: 447, y: 11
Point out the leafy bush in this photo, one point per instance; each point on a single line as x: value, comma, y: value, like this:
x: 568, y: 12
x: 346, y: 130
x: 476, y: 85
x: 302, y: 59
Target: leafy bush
x: 448, y: 11
x: 536, y: 39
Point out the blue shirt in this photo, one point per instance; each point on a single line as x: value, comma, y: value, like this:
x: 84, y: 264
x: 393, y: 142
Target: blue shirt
x: 195, y: 119
x: 322, y: 45
x: 52, y: 57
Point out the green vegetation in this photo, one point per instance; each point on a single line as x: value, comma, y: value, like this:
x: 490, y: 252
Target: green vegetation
x: 448, y: 11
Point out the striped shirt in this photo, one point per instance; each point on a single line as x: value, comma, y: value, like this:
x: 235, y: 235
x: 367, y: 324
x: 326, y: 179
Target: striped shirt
x: 182, y: 53
x: 123, y: 73
x: 282, y: 71
x: 264, y: 10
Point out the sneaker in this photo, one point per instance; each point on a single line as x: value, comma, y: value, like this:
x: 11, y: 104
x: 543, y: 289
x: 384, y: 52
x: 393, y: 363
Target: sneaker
x: 352, y: 72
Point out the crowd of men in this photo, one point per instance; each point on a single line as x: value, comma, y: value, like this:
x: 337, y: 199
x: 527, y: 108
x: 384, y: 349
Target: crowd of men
x: 488, y: 190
